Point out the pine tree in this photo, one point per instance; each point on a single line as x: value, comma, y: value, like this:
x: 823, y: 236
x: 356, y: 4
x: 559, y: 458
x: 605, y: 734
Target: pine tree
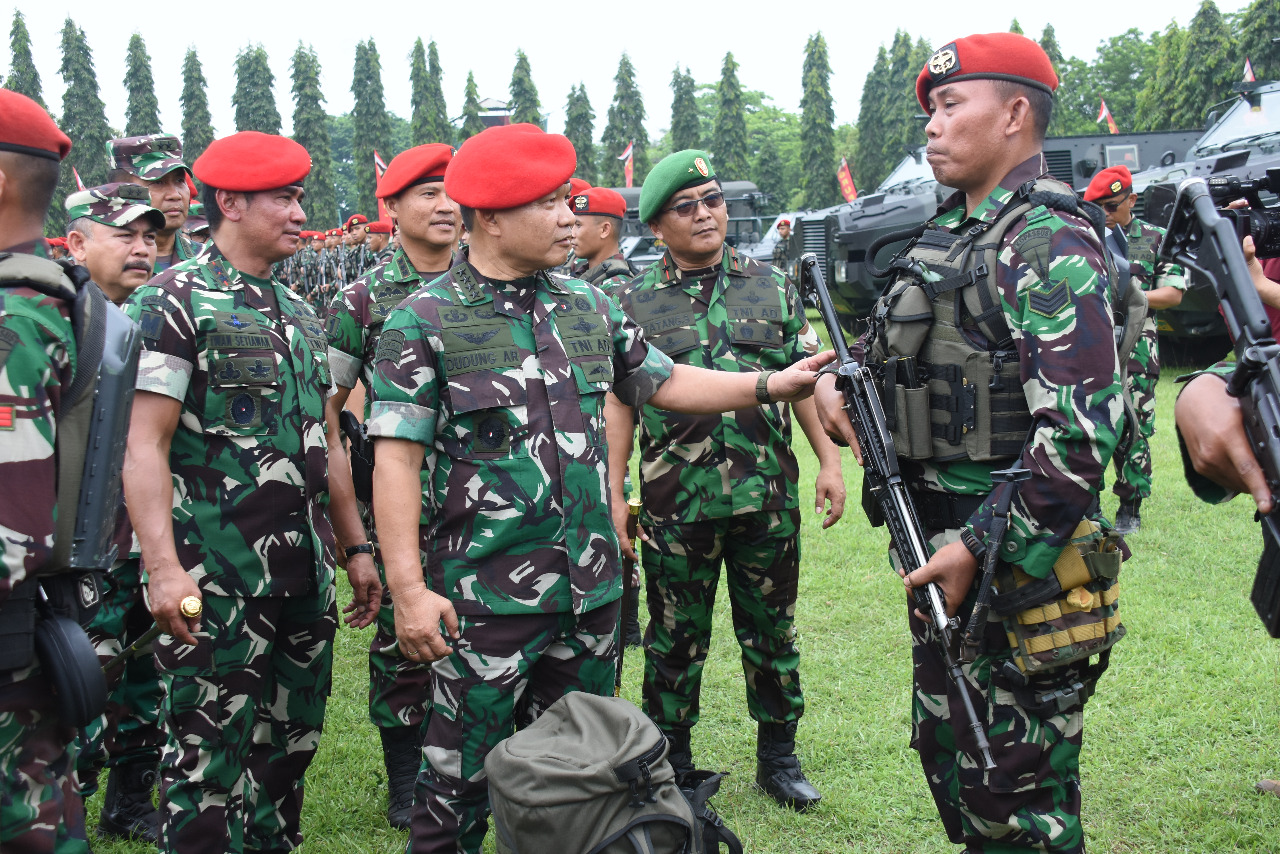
x: 419, y: 120
x: 23, y: 77
x: 438, y: 110
x: 767, y: 172
x: 372, y: 127
x: 730, y: 128
x: 524, y: 105
x: 254, y: 100
x: 625, y: 125
x: 1049, y: 41
x: 579, y: 126
x: 142, y: 115
x: 818, y: 184
x: 471, y: 122
x: 686, y: 131
x: 84, y: 119
x: 1015, y: 27
x: 871, y: 121
x: 1208, y: 67
x: 311, y: 131
x: 430, y: 115
x: 197, y: 123
x: 1261, y: 23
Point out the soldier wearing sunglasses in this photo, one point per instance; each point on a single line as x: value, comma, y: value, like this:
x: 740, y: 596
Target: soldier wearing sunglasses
x: 720, y: 489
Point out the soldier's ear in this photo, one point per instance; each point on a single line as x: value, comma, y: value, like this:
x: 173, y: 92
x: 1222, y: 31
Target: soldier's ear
x: 75, y: 244
x: 1019, y: 115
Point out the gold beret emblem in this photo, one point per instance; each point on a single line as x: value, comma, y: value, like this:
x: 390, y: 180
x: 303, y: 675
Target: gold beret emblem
x: 701, y: 165
x: 942, y: 62
x: 1116, y: 186
x: 579, y: 203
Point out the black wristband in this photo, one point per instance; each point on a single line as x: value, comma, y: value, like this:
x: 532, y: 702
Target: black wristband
x: 975, y: 547
x: 362, y: 549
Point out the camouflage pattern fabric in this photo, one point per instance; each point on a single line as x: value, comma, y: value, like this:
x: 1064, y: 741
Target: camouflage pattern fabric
x: 741, y: 316
x: 39, y: 808
x: 504, y: 670
x: 398, y: 688
x: 149, y: 157
x: 504, y: 383
x: 113, y: 204
x: 129, y: 730
x: 1067, y: 359
x: 780, y: 255
x: 184, y: 249
x: 610, y: 275
x: 1133, y: 474
x: 682, y: 571
x: 244, y: 709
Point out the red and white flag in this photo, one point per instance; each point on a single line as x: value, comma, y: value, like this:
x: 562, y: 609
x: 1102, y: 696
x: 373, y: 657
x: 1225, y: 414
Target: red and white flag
x: 79, y: 184
x: 1248, y: 71
x: 845, y: 178
x: 1104, y: 113
x: 379, y: 167
x: 629, y: 157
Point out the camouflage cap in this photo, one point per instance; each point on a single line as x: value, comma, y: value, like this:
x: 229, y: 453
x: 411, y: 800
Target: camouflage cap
x: 149, y: 157
x: 114, y: 204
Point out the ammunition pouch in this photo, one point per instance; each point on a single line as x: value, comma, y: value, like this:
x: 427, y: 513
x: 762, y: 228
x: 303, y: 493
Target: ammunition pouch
x: 1071, y: 614
x: 69, y: 661
x: 1056, y: 698
x: 18, y: 627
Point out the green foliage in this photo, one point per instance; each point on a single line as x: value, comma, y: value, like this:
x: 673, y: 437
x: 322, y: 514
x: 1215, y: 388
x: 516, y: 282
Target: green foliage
x: 311, y: 131
x: 254, y: 100
x: 430, y: 115
x: 418, y: 97
x: 686, y: 131
x: 625, y: 125
x: 524, y: 105
x: 471, y: 122
x: 889, y: 127
x: 730, y: 130
x: 868, y: 168
x: 579, y: 127
x: 345, y: 174
x: 1155, y: 103
x: 197, y: 123
x: 1015, y: 27
x: 371, y: 126
x: 142, y: 115
x: 84, y: 119
x: 1260, y: 25
x: 23, y: 77
x: 1209, y: 67
x: 818, y: 185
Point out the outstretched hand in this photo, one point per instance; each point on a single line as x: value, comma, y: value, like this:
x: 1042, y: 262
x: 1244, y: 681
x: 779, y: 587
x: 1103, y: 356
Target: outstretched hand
x: 796, y: 382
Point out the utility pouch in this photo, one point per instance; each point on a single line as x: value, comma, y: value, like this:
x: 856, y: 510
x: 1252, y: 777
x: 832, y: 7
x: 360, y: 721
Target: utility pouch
x: 74, y: 595
x: 69, y: 661
x: 1070, y: 615
x: 18, y: 627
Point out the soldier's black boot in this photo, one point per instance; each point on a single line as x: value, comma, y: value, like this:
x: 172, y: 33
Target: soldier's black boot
x: 778, y: 770
x: 631, y: 617
x: 681, y: 753
x: 1127, y: 519
x: 402, y: 754
x: 127, y: 810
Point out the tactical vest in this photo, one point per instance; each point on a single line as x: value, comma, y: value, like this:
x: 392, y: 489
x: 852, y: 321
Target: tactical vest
x: 1142, y: 249
x: 607, y: 269
x: 947, y: 394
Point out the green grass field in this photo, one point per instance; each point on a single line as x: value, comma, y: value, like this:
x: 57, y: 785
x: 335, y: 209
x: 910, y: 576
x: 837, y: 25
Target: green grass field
x: 1184, y: 723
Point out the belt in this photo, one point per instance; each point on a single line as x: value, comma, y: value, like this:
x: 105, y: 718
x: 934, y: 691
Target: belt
x: 940, y: 511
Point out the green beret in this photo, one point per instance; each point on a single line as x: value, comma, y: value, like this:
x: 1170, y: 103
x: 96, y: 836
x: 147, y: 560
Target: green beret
x: 675, y: 172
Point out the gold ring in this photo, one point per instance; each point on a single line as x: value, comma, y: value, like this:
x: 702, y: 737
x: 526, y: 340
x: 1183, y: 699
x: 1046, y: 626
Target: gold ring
x: 191, y: 606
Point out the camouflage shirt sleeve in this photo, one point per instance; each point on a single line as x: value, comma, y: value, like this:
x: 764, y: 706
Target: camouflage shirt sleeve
x: 1054, y: 300
x: 405, y: 392
x: 169, y: 354
x: 639, y: 368
x: 346, y: 330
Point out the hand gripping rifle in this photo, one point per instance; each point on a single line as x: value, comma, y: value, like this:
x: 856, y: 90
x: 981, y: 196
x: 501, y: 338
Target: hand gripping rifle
x: 880, y: 471
x: 1200, y: 239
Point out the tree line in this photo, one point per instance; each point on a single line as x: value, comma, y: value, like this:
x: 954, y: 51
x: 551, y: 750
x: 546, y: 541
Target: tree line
x: 1163, y: 80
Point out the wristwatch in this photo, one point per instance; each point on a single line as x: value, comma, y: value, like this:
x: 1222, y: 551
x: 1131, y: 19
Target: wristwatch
x: 762, y: 386
x: 362, y: 549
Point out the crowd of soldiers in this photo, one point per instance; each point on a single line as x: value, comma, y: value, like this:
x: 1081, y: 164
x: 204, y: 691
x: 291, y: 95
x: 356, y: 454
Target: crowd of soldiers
x: 503, y: 400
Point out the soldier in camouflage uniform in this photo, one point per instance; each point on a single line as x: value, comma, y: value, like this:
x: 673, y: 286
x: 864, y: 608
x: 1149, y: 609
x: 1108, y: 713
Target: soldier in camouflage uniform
x: 1164, y: 285
x: 155, y: 162
x: 990, y: 99
x: 399, y: 689
x: 380, y: 248
x: 598, y: 214
x: 112, y: 233
x: 720, y: 489
x: 355, y: 248
x: 495, y: 376
x: 228, y: 492
x: 780, y: 248
x: 40, y: 811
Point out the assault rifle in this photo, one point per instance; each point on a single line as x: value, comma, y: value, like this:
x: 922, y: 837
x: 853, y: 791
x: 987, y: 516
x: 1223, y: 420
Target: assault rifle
x: 881, y: 474
x: 1201, y: 239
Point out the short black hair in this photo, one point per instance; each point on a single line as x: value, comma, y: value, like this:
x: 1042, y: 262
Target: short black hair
x: 212, y: 213
x: 468, y: 216
x: 31, y: 180
x: 1041, y: 103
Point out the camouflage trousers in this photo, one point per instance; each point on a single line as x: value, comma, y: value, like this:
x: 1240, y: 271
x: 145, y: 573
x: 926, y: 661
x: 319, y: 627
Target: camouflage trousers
x: 682, y: 570
x: 129, y: 730
x: 505, y: 669
x: 1031, y: 801
x: 243, y: 711
x: 40, y: 810
x: 1133, y: 471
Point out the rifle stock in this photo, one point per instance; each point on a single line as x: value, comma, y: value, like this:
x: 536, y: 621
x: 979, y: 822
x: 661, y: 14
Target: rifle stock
x: 884, y: 481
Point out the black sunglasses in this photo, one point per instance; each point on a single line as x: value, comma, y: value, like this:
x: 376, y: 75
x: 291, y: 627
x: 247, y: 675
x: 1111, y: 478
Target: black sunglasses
x: 1112, y: 207
x: 686, y: 209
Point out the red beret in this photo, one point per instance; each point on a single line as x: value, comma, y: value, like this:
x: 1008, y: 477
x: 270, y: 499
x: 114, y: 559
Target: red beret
x: 379, y: 227
x: 987, y: 56
x: 599, y: 201
x: 785, y: 222
x: 508, y: 166
x: 417, y: 165
x: 355, y: 219
x: 1109, y: 182
x: 333, y: 232
x: 577, y: 185
x: 26, y: 128
x: 57, y: 241
x: 249, y: 162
